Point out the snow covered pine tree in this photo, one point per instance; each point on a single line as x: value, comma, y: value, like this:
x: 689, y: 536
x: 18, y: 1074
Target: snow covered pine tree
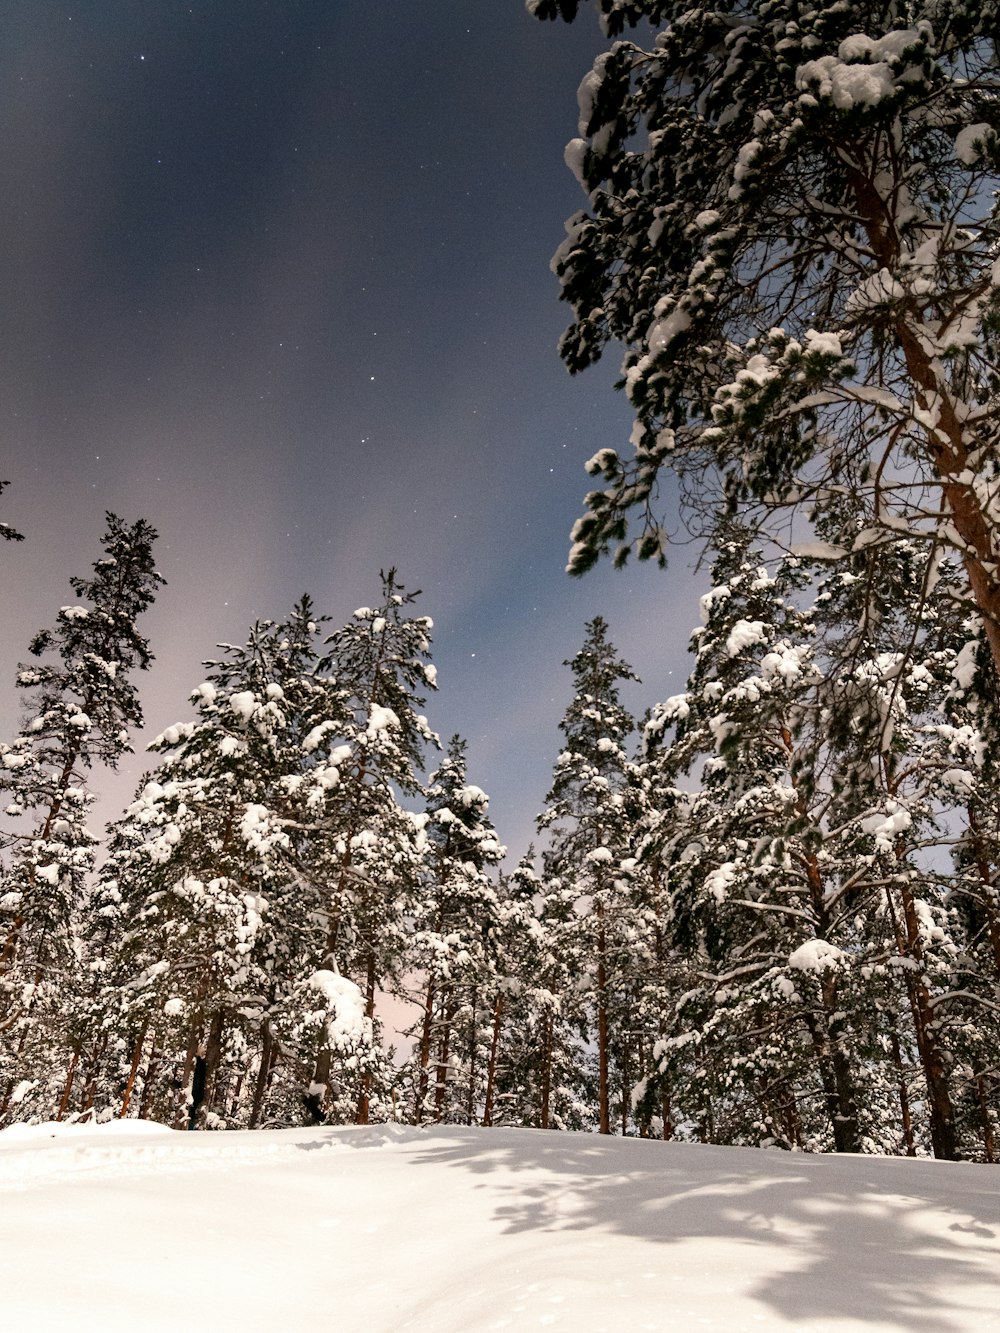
x: 792, y: 228
x: 454, y: 943
x: 588, y: 862
x: 209, y: 883
x: 83, y: 705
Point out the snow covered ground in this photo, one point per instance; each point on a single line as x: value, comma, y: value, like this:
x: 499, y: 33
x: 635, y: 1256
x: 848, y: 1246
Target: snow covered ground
x: 135, y: 1227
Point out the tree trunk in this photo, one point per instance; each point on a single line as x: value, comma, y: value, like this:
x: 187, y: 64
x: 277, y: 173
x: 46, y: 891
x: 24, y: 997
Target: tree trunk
x: 136, y: 1061
x: 491, y: 1067
x: 470, y: 1097
x: 547, y: 1057
x: 423, y: 1076
x: 364, y: 1097
x: 603, y: 1091
x: 947, y: 445
x: 206, y: 1064
x: 263, y: 1075
x: 904, y: 1097
x: 944, y: 1142
x: 984, y: 1108
x: 450, y: 1005
x: 67, y: 1090
x: 149, y: 1079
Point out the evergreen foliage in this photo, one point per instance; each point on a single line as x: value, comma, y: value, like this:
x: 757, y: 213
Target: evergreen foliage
x: 792, y: 228
x: 82, y: 703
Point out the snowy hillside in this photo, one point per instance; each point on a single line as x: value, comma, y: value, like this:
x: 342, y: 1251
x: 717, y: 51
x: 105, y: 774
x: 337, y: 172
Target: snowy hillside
x: 133, y: 1226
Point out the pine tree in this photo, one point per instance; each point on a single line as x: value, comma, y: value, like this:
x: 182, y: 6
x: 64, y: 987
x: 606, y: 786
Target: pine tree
x: 791, y: 227
x: 746, y: 1045
x: 538, y: 1065
x: 380, y: 661
x: 588, y: 857
x: 454, y: 943
x: 808, y: 904
x: 208, y: 875
x: 83, y: 703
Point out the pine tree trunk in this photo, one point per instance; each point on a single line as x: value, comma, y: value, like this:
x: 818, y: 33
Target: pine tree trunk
x: 826, y: 1031
x: 944, y: 1142
x: 990, y: 898
x: 235, y: 1096
x: 133, y: 1071
x: 989, y: 1148
x: 625, y: 1088
x: 947, y: 445
x: 263, y: 1075
x: 90, y: 1091
x: 668, y: 1124
x: 906, y: 1115
x: 491, y: 1067
x: 182, y: 1105
x: 470, y: 1098
x: 205, y: 1069
x: 149, y: 1079
x: 603, y: 1091
x: 450, y: 1005
x: 364, y: 1097
x: 547, y: 1058
x: 68, y: 1088
x: 423, y: 1073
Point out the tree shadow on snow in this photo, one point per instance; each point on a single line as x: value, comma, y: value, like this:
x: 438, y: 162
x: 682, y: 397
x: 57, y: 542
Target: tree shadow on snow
x: 865, y: 1238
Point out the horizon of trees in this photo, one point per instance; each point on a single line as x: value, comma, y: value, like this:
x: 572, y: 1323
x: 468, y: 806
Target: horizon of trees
x: 751, y: 921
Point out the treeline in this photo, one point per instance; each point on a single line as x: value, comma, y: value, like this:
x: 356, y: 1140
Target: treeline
x: 768, y: 915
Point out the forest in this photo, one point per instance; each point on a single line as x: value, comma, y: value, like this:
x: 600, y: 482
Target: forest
x: 767, y: 913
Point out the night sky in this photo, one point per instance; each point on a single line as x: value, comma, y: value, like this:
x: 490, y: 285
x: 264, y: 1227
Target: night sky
x: 275, y: 277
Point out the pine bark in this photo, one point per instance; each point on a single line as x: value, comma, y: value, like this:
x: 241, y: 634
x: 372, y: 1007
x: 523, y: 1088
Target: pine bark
x: 491, y: 1067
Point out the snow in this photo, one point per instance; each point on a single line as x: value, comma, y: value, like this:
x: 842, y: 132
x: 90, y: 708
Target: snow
x: 969, y: 143
x: 462, y: 1230
x: 817, y: 551
x: 574, y: 156
x: 745, y: 634
x: 345, y: 1006
x: 243, y: 704
x: 380, y: 719
x: 663, y: 331
x: 823, y: 344
x: 878, y: 289
x: 964, y: 670
x: 599, y: 856
x: 720, y: 881
x: 815, y: 956
x: 847, y: 84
